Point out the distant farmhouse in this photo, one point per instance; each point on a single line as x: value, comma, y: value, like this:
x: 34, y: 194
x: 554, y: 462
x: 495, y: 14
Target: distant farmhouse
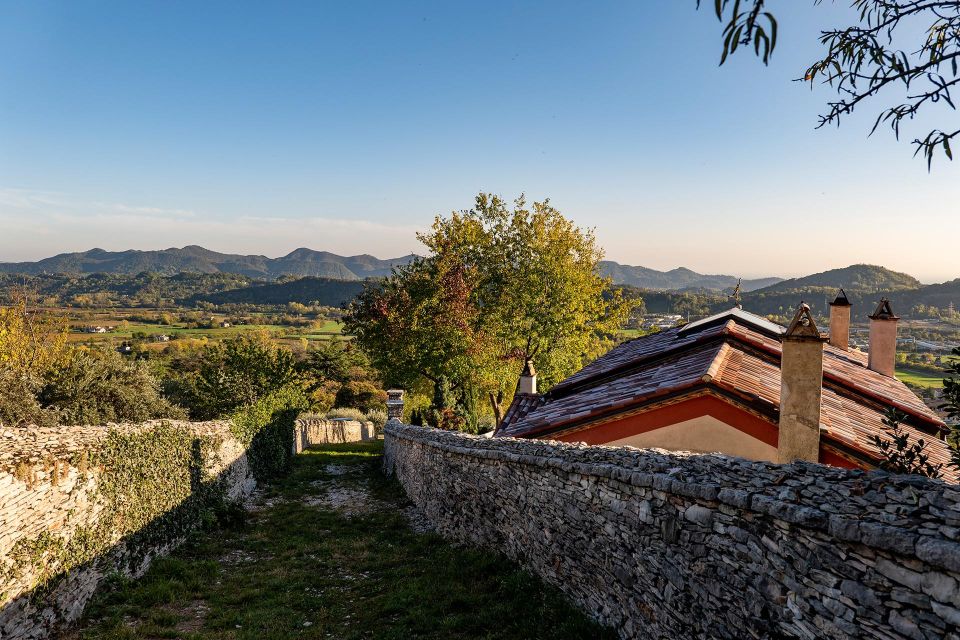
x: 738, y: 384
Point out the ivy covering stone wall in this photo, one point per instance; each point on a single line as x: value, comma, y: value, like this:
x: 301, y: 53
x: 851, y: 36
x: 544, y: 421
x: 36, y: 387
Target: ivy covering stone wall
x: 78, y: 504
x: 667, y: 545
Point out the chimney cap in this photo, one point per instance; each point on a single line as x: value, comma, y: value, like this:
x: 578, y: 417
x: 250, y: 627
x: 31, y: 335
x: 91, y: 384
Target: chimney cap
x: 841, y: 300
x: 528, y: 369
x: 803, y: 326
x: 884, y: 311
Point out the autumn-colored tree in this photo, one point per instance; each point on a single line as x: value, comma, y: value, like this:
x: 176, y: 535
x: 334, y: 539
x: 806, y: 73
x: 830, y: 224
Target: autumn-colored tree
x: 500, y: 284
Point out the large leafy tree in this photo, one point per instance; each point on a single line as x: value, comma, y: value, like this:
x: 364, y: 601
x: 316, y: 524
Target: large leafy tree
x: 501, y: 284
x: 904, y: 51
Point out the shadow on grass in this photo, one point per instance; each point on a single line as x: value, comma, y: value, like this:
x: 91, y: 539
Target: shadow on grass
x: 307, y: 571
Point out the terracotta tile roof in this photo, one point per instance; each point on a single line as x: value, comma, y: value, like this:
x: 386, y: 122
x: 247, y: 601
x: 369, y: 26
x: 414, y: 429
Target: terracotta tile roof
x: 522, y: 404
x: 618, y: 392
x: 740, y: 359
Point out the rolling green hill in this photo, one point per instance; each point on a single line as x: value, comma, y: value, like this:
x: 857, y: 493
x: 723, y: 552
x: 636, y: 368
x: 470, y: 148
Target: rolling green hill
x: 857, y: 277
x: 675, y: 279
x: 864, y: 285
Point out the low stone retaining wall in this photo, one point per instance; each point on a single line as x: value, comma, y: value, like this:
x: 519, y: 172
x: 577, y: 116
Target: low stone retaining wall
x: 314, y: 431
x: 666, y: 545
x: 80, y: 503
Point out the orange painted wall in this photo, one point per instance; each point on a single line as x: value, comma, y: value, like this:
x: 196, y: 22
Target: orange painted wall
x: 694, y: 407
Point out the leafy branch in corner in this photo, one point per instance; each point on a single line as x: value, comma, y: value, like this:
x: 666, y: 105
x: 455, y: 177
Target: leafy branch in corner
x: 865, y: 59
x: 900, y: 455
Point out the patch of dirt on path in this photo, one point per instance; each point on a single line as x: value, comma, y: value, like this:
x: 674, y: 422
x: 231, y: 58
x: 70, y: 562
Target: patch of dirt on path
x: 194, y: 614
x: 349, y: 501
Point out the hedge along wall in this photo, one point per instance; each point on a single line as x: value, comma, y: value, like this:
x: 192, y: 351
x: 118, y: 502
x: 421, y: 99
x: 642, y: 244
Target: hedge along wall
x: 80, y: 503
x: 313, y: 431
x: 665, y: 545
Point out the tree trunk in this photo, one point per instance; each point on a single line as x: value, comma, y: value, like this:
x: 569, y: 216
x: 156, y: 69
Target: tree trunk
x: 495, y: 401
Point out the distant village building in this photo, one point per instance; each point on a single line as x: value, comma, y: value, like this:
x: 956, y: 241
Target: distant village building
x: 162, y: 337
x: 738, y: 384
x: 95, y: 330
x: 224, y: 324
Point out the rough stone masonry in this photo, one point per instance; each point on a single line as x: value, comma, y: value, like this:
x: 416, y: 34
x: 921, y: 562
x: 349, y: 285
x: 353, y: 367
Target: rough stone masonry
x: 668, y: 545
x: 53, y: 508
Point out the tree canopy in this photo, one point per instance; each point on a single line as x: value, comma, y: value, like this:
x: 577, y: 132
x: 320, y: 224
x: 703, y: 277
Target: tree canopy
x: 500, y: 285
x: 907, y: 51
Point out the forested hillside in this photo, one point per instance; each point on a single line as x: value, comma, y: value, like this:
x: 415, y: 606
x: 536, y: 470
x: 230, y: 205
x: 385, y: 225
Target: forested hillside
x: 323, y: 291
x: 676, y: 279
x: 194, y: 259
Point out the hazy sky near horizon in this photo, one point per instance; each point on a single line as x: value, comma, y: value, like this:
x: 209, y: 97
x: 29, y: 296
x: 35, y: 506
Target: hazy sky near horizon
x: 347, y: 126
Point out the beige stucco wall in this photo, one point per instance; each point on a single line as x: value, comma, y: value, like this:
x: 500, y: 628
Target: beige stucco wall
x: 705, y: 434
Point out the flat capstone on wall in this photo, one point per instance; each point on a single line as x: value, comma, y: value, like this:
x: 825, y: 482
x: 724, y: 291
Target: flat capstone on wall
x: 666, y: 545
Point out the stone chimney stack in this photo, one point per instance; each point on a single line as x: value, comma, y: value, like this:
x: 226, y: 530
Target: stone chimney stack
x: 528, y: 379
x: 801, y: 386
x: 883, y: 339
x: 840, y: 321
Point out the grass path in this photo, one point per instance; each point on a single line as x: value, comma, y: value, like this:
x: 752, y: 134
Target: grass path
x: 334, y: 550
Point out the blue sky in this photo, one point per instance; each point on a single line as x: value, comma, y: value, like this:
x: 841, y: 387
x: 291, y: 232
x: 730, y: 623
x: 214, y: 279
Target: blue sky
x: 263, y: 127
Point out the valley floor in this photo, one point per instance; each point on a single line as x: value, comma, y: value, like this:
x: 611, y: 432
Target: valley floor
x: 334, y: 550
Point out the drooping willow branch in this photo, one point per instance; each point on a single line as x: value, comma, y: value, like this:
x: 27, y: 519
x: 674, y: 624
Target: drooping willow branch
x: 863, y: 61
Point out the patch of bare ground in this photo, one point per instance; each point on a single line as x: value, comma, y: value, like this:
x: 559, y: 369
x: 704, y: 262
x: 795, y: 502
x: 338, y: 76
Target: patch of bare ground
x: 192, y: 616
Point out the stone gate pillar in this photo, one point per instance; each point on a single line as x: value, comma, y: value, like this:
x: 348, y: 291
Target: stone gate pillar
x: 395, y: 405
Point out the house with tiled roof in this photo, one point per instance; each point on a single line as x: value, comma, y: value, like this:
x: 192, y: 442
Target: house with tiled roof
x: 739, y: 384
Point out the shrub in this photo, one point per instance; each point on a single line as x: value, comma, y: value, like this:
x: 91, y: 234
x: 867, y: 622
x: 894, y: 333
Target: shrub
x: 899, y: 454
x: 18, y: 402
x: 236, y: 373
x: 378, y: 417
x: 95, y: 387
x: 348, y: 413
x: 265, y: 427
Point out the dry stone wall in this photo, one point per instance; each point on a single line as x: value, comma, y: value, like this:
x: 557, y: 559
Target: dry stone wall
x: 314, y: 431
x: 667, y: 545
x: 80, y: 503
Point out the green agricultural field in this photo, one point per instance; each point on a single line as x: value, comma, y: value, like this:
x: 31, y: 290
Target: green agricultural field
x: 920, y: 378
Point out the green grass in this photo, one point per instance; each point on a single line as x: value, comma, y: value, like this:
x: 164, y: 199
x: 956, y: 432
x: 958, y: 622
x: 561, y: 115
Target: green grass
x: 920, y: 378
x: 301, y: 571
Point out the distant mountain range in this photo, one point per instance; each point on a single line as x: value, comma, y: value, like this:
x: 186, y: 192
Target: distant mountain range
x: 323, y: 264
x: 193, y: 259
x: 677, y: 279
x: 334, y: 279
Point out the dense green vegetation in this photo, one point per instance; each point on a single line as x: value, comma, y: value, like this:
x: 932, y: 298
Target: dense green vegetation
x: 102, y: 290
x: 47, y: 380
x: 321, y: 291
x: 501, y: 285
x: 301, y: 569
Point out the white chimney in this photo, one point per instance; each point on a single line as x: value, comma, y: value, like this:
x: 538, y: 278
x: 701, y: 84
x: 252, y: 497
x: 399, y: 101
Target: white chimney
x: 840, y: 321
x: 883, y: 339
x: 801, y: 387
x: 528, y: 379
